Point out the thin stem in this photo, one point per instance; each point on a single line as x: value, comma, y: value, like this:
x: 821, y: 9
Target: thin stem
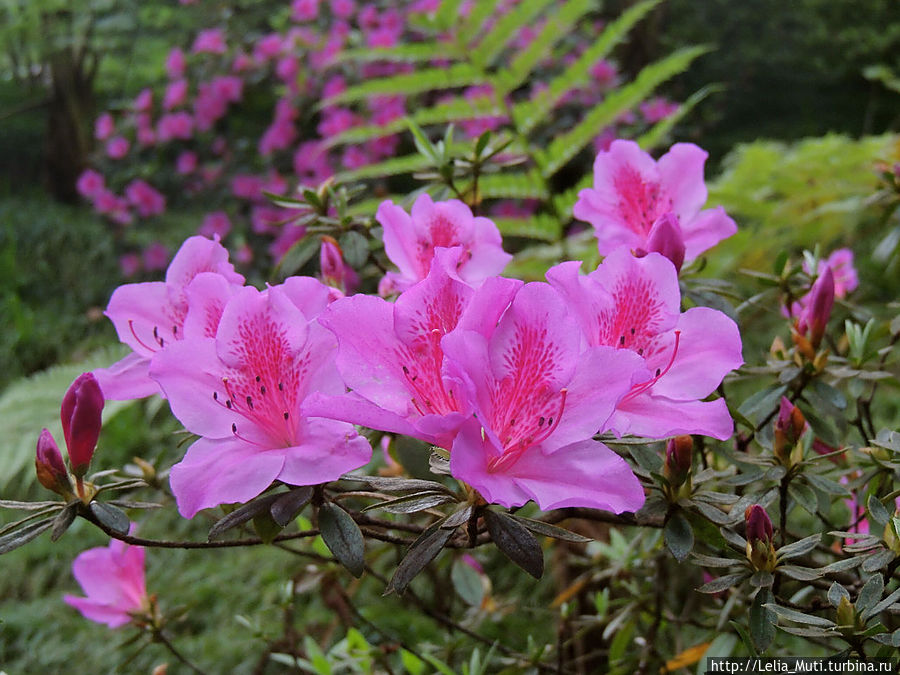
x: 159, y: 636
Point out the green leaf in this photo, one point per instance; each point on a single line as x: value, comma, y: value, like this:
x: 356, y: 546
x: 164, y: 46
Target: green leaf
x: 836, y: 592
x: 762, y: 620
x: 799, y: 617
x: 804, y: 496
x: 826, y: 485
x: 418, y: 501
x: 287, y: 505
x: 457, y: 518
x: 243, y: 514
x: 505, y: 28
x: 417, y: 52
x: 296, y: 257
x: 389, y: 167
x: 712, y: 561
x: 870, y: 593
x: 879, y: 607
x: 722, y: 583
x: 407, y: 84
x: 512, y: 185
x: 540, y: 226
x: 22, y: 536
x: 798, y: 548
x: 529, y: 114
x: 467, y: 583
x: 63, y: 520
x: 266, y: 527
x: 112, y: 517
x: 355, y: 248
x: 548, y: 530
x: 646, y: 457
x: 877, y: 511
x: 396, y: 484
x: 342, y: 537
x: 800, y: 573
x: 564, y: 147
x: 516, y: 542
x: 678, y: 536
x: 423, y: 551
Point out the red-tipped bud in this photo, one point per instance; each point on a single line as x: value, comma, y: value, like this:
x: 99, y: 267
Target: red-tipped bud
x: 817, y: 308
x: 679, y: 457
x: 789, y: 427
x: 665, y: 237
x: 335, y: 272
x: 49, y: 465
x: 759, y: 533
x: 81, y: 411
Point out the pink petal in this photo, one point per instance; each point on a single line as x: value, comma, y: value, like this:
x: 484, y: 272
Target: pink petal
x: 397, y: 228
x: 310, y: 295
x: 705, y: 231
x: 143, y: 316
x: 217, y: 472
x: 196, y: 255
x: 328, y: 450
x: 681, y: 171
x: 97, y: 611
x: 658, y: 417
x: 207, y: 296
x: 468, y: 463
x: 127, y: 379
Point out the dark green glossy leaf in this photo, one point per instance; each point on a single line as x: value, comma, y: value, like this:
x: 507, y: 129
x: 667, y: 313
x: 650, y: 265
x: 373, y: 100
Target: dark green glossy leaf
x: 423, y: 551
x: 63, y: 520
x: 243, y: 514
x: 286, y: 507
x: 762, y: 620
x: 836, y: 592
x: 722, y: 583
x: 391, y: 484
x: 798, y: 548
x: 20, y: 537
x: 548, y: 530
x: 870, y: 593
x: 646, y: 457
x: 799, y: 573
x: 877, y: 511
x: 343, y: 537
x: 516, y: 542
x: 418, y: 501
x: 355, y: 248
x: 112, y: 517
x: 877, y: 561
x: 678, y: 536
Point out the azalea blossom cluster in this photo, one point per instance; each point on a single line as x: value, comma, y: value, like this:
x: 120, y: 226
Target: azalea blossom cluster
x: 186, y: 123
x: 514, y: 380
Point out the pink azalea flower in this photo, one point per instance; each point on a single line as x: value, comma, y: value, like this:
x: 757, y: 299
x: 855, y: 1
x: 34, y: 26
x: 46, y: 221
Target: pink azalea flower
x: 267, y: 47
x: 104, y: 127
x: 129, y: 264
x: 343, y: 9
x: 633, y: 304
x: 246, y: 186
x: 215, y: 224
x: 304, y: 10
x: 286, y: 69
x: 148, y: 316
x: 178, y: 125
x: 143, y: 102
x: 112, y: 578
x: 146, y: 135
x: 841, y: 263
x: 334, y: 86
x: 279, y: 135
x: 538, y: 399
x: 816, y: 308
x: 156, y: 257
x: 658, y: 109
x: 145, y: 198
x: 210, y: 41
x: 176, y: 94
x: 631, y: 191
x: 395, y: 367
x: 245, y: 396
x: 604, y: 74
x: 175, y: 64
x: 90, y: 184
x: 209, y: 107
x: 335, y: 121
x: 228, y: 87
x: 117, y: 148
x: 241, y: 63
x: 186, y: 162
x: 410, y: 240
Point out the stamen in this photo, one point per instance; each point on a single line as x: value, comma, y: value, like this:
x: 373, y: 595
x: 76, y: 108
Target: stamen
x: 511, y: 455
x: 250, y: 403
x: 644, y: 386
x: 140, y: 342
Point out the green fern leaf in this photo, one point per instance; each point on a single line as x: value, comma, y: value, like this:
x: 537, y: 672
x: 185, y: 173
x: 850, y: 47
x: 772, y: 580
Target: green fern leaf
x: 512, y: 185
x: 507, y: 27
x: 447, y: 14
x: 559, y: 24
x: 389, y: 167
x: 565, y: 147
x: 540, y: 226
x: 407, y: 84
x: 659, y: 131
x: 472, y: 26
x: 417, y: 52
x: 529, y: 114
x: 32, y: 403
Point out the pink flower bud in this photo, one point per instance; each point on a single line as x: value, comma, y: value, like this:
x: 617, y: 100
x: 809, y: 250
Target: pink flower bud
x: 789, y: 427
x: 81, y: 421
x: 679, y: 457
x: 665, y: 237
x: 49, y: 465
x: 817, y: 310
x: 759, y: 526
x: 335, y: 272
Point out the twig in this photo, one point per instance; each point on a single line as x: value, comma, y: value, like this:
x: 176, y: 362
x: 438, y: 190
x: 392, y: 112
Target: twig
x: 159, y: 636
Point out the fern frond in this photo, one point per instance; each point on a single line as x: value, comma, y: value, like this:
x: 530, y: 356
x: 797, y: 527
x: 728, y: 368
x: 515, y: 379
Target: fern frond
x: 659, y: 131
x: 389, y: 167
x: 417, y: 52
x: 529, y: 114
x: 447, y: 14
x: 512, y: 185
x: 442, y: 113
x: 507, y: 27
x: 559, y: 24
x: 541, y: 226
x: 565, y: 147
x: 32, y: 403
x: 471, y: 27
x: 428, y: 79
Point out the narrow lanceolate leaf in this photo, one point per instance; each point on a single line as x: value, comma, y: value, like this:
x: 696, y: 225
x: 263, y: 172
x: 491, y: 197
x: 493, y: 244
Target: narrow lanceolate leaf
x: 20, y: 537
x: 392, y: 484
x: 112, y: 517
x: 799, y: 617
x: 876, y: 561
x: 418, y: 501
x: 565, y: 147
x: 505, y: 29
x: 719, y: 584
x: 548, y: 530
x: 881, y: 606
x: 423, y: 551
x: 9, y: 527
x: 426, y: 79
x: 529, y: 114
x: 800, y: 573
x: 559, y: 23
x: 26, y: 506
x: 286, y: 507
x: 712, y: 561
x: 458, y: 518
x: 63, y: 520
x: 762, y: 620
x: 877, y: 510
x: 799, y: 548
x: 516, y: 542
x: 659, y: 132
x: 342, y: 537
x: 243, y: 514
x: 678, y: 536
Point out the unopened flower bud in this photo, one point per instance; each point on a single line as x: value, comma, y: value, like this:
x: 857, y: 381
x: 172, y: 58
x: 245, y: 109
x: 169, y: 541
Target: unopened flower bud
x: 817, y: 308
x: 679, y: 457
x: 789, y: 427
x: 759, y: 533
x: 336, y: 272
x: 81, y: 411
x: 665, y: 237
x: 49, y: 465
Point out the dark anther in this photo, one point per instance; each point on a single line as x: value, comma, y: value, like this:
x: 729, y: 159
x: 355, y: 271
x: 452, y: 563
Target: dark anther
x: 250, y: 403
x: 228, y: 404
x: 658, y: 371
x: 512, y: 422
x: 622, y: 340
x: 281, y: 386
x: 641, y: 351
x: 258, y: 378
x: 550, y: 422
x: 262, y: 390
x: 540, y: 421
x: 405, y: 370
x: 234, y: 428
x: 286, y: 415
x: 632, y: 330
x: 215, y: 396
